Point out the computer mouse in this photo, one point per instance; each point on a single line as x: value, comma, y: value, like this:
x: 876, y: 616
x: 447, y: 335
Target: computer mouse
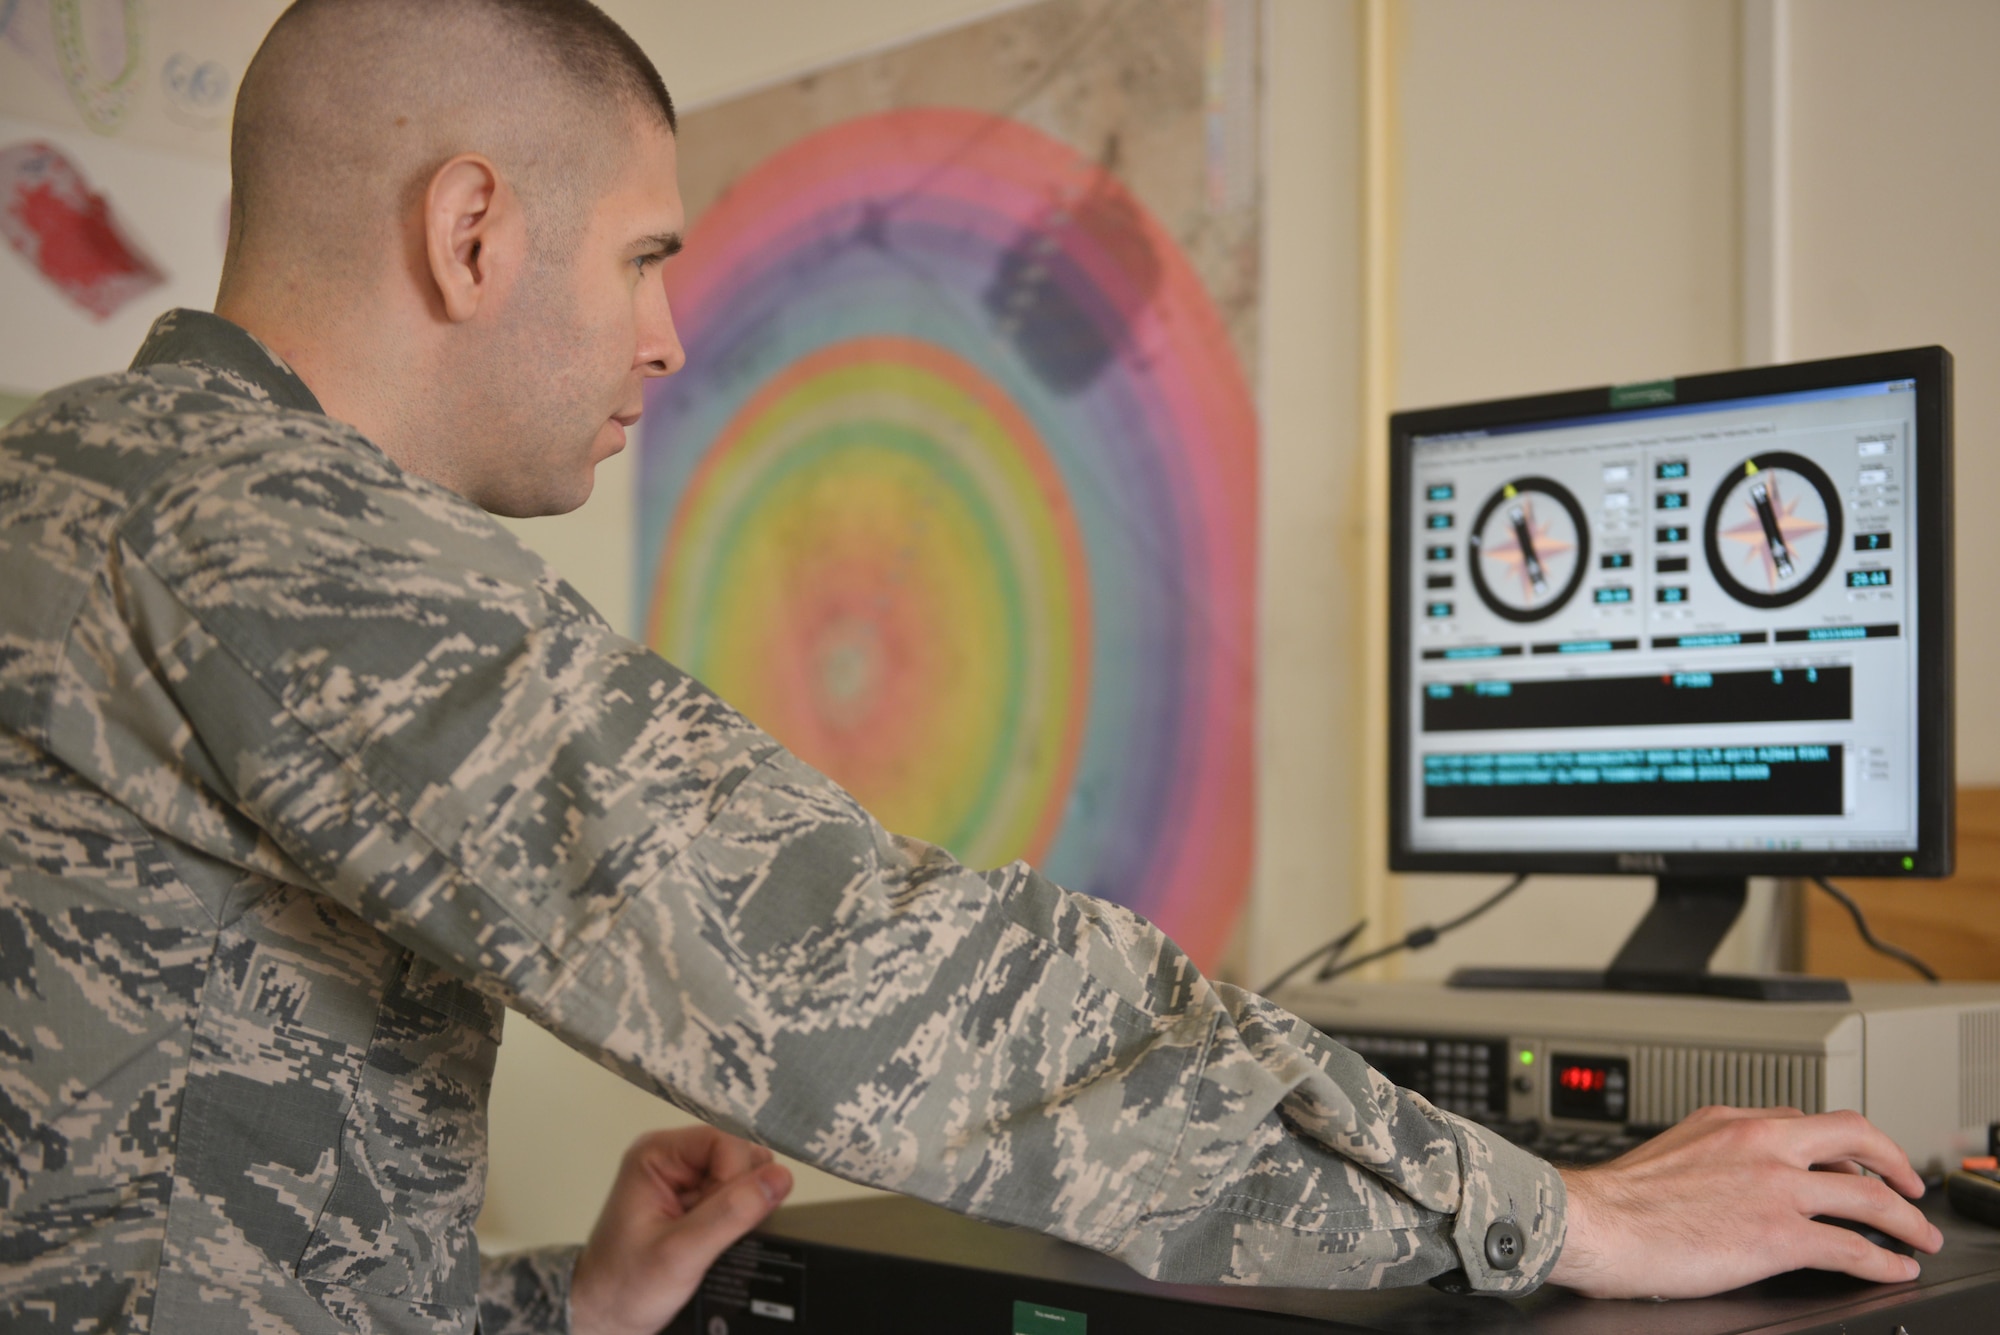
x: 1870, y: 1232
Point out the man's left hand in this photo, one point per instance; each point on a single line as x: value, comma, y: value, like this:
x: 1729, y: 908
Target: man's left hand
x: 681, y: 1198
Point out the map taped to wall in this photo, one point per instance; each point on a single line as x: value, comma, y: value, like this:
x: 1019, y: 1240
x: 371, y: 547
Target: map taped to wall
x: 957, y: 493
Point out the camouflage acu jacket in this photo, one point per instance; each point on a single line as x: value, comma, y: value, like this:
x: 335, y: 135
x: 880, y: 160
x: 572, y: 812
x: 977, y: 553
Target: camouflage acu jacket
x: 307, y: 768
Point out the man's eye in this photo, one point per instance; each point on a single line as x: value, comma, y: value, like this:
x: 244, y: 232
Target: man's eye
x: 642, y: 261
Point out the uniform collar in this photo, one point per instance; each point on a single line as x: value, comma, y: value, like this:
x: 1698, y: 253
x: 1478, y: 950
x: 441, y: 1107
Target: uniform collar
x: 196, y: 336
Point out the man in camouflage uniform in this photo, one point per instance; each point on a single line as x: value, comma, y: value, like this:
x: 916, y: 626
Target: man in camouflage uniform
x: 307, y: 769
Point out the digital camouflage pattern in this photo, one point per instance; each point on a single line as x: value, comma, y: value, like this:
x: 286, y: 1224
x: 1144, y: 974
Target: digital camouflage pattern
x: 526, y: 1293
x: 307, y: 768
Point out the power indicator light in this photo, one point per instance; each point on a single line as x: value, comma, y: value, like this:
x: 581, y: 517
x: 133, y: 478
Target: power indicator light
x: 1909, y: 864
x: 1528, y: 1058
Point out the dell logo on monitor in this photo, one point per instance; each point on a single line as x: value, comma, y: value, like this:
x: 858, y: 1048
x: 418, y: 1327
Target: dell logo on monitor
x: 1646, y: 862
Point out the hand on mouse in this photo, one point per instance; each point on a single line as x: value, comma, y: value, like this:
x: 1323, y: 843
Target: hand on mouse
x: 680, y: 1199
x: 1727, y: 1197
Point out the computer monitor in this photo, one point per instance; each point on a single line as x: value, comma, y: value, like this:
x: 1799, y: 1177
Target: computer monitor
x: 1698, y: 629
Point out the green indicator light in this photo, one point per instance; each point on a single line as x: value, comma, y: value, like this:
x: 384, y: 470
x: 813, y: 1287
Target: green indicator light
x: 1909, y: 864
x: 1527, y: 1059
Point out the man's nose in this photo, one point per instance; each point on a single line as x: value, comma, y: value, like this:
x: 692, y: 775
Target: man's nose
x: 660, y: 350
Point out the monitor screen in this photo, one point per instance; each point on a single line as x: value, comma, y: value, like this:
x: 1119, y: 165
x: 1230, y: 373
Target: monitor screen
x: 1688, y: 626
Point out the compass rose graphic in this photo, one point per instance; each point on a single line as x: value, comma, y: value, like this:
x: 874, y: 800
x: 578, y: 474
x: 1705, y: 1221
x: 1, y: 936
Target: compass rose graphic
x: 1773, y: 529
x: 1528, y: 548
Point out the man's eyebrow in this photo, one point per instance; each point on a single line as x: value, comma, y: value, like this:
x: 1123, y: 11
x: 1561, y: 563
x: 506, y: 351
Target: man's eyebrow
x: 664, y: 244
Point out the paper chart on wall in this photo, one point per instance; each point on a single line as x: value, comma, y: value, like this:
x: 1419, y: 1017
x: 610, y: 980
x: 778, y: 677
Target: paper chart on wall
x: 957, y: 494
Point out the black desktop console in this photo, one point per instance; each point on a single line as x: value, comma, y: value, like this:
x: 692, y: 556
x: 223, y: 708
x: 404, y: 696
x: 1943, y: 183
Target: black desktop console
x: 891, y: 1266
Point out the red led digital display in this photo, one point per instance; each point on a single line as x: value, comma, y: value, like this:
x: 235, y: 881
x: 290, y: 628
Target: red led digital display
x: 1582, y: 1079
x: 1593, y: 1089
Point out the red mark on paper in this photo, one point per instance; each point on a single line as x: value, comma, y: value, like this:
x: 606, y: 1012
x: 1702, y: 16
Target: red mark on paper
x: 64, y: 229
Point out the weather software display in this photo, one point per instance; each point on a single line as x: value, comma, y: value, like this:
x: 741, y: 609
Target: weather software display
x: 1684, y: 628
x: 1529, y: 548
x: 1773, y: 529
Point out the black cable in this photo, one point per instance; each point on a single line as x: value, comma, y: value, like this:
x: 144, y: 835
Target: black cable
x: 1417, y: 939
x: 1861, y: 923
x: 1337, y: 947
x: 1424, y: 936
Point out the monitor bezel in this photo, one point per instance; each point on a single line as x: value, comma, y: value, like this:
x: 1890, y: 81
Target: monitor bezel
x: 1931, y: 369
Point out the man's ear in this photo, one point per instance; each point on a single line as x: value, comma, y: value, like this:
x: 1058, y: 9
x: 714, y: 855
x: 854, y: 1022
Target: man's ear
x: 474, y: 237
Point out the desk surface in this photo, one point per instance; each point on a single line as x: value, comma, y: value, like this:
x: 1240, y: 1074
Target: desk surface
x: 897, y: 1266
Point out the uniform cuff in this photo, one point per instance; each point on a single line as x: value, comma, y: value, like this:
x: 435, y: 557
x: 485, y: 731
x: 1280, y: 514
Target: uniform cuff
x: 526, y: 1293
x: 1510, y: 1224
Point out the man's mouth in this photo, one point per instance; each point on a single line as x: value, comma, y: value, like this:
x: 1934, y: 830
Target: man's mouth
x: 605, y: 447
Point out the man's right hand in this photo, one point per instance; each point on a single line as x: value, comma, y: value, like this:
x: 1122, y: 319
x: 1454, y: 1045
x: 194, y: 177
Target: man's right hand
x: 1727, y: 1197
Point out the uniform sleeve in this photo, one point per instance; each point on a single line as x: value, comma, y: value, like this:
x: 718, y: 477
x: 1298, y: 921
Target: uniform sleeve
x: 526, y: 1293
x: 440, y: 735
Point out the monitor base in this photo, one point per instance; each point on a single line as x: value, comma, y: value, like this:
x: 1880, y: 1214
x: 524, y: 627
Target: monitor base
x: 1669, y: 951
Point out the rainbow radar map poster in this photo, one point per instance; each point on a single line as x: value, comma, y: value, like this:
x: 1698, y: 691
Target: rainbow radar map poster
x: 956, y: 495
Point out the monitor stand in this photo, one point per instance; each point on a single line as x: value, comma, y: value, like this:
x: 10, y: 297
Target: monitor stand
x: 1669, y: 952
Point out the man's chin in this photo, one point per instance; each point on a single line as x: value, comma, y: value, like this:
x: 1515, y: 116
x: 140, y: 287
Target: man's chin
x: 609, y: 444
x: 543, y: 501
x: 573, y: 496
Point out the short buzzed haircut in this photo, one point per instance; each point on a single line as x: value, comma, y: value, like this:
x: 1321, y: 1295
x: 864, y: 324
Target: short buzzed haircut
x: 349, y: 106
x: 584, y: 42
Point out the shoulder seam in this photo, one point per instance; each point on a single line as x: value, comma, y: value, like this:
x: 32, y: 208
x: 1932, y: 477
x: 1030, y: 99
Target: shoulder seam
x: 551, y: 960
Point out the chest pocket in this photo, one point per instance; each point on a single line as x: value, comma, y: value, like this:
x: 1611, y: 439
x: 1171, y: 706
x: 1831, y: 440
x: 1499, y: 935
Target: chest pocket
x: 398, y: 1225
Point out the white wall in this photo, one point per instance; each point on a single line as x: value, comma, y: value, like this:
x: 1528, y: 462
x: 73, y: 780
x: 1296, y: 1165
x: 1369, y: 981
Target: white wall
x: 1895, y: 241
x: 1568, y: 194
x: 1310, y: 703
x: 1567, y: 216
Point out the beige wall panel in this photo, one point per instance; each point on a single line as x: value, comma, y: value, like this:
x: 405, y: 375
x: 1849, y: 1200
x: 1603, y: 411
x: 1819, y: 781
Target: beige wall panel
x: 1896, y: 189
x: 1568, y: 216
x: 1568, y: 194
x: 1310, y: 698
